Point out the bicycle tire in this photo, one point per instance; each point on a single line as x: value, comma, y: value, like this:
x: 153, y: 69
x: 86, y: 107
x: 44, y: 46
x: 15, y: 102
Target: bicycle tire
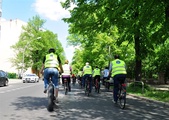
x: 88, y: 89
x: 66, y: 88
x: 51, y: 96
x: 122, y: 98
x: 98, y: 89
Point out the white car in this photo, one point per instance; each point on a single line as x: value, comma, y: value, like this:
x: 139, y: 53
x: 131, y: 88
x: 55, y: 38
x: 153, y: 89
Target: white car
x: 30, y: 78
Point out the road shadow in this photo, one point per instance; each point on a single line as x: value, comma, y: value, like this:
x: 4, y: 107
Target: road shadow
x: 30, y: 103
x: 100, y: 107
x: 77, y: 106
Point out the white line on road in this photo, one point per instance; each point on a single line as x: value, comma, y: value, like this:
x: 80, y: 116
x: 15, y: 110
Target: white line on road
x: 16, y: 89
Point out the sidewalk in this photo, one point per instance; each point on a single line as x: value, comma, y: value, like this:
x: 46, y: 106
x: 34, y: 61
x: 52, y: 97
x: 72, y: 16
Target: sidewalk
x: 164, y: 104
x: 161, y: 87
x: 15, y: 81
x: 157, y: 87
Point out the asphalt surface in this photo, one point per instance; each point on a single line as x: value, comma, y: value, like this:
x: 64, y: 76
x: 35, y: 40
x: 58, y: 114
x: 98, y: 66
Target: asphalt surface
x: 26, y: 101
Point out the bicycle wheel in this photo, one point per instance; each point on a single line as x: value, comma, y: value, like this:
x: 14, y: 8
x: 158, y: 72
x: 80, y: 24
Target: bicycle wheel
x: 98, y: 89
x: 66, y: 88
x: 122, y: 98
x: 86, y: 89
x: 51, y: 96
x: 96, y: 86
x: 88, y: 92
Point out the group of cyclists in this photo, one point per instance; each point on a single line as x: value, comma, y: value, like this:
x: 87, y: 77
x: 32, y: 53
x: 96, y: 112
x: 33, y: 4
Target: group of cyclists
x: 52, y: 67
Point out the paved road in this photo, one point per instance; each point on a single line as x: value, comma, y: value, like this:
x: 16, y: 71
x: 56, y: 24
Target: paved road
x: 26, y: 101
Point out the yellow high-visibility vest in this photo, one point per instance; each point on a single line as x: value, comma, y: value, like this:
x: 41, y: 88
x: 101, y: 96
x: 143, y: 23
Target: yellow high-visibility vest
x: 87, y: 70
x: 80, y: 73
x: 51, y: 61
x: 118, y: 67
x: 96, y: 72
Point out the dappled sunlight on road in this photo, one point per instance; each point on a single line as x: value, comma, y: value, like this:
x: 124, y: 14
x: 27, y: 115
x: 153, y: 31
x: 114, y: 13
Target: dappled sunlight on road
x: 77, y: 106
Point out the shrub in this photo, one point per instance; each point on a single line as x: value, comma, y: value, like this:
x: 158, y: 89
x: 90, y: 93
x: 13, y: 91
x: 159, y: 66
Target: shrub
x: 12, y: 75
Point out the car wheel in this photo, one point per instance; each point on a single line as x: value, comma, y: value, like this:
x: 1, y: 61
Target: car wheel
x: 6, y: 83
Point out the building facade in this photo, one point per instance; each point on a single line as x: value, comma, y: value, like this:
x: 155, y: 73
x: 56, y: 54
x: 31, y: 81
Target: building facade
x: 10, y: 32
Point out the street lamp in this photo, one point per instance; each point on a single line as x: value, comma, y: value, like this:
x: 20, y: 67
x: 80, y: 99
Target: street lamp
x: 23, y: 56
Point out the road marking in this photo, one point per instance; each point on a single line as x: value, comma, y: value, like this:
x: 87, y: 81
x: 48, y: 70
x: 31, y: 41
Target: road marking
x: 16, y: 89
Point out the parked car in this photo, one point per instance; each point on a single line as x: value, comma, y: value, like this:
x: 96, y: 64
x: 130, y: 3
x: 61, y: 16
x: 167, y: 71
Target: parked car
x: 30, y: 78
x: 3, y: 78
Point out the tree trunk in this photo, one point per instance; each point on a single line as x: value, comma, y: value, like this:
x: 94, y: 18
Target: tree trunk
x: 138, y: 59
x: 161, y: 77
x: 137, y: 45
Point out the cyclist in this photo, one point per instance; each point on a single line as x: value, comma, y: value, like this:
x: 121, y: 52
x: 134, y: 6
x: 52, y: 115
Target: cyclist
x: 79, y: 75
x: 66, y: 74
x: 87, y: 73
x: 51, y: 64
x: 96, y: 75
x: 105, y: 74
x: 118, y: 70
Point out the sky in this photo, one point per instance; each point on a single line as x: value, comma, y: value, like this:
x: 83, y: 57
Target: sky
x: 50, y: 10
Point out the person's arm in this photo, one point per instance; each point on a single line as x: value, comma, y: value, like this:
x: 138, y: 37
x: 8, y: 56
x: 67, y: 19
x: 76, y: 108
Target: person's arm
x: 110, y: 69
x: 43, y: 65
x: 60, y: 65
x: 70, y: 70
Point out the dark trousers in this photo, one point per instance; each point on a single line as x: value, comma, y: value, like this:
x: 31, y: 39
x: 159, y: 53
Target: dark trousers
x: 89, y: 76
x: 116, y: 85
x: 96, y: 77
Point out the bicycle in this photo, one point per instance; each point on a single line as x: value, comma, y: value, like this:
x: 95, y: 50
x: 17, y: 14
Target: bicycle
x: 108, y: 84
x: 51, y: 96
x: 122, y: 93
x: 74, y: 81
x: 80, y: 82
x: 66, y: 86
x: 97, y: 86
x: 87, y: 87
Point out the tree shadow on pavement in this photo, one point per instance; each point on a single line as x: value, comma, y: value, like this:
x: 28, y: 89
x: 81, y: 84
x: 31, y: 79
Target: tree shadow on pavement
x: 30, y: 103
x: 77, y: 106
x: 100, y: 107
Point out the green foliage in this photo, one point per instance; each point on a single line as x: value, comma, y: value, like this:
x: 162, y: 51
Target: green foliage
x: 12, y: 75
x: 34, y: 44
x: 142, y: 29
x: 149, y: 92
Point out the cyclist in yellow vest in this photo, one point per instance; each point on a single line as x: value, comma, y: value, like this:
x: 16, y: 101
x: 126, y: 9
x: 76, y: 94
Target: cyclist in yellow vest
x: 51, y: 64
x: 87, y: 73
x: 79, y: 76
x: 118, y: 70
x: 96, y: 74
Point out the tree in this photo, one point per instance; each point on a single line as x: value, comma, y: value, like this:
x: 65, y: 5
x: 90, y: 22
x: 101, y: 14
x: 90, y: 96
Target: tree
x: 137, y: 22
x: 34, y: 44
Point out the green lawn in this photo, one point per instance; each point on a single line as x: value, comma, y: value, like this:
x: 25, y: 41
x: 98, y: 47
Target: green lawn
x: 149, y: 92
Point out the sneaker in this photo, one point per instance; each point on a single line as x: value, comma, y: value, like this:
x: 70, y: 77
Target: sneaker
x: 115, y: 102
x: 56, y: 100
x: 45, y: 91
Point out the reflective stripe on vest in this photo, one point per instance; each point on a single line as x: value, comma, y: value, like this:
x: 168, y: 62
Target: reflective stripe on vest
x: 96, y: 72
x: 51, y: 61
x: 87, y: 70
x: 118, y: 67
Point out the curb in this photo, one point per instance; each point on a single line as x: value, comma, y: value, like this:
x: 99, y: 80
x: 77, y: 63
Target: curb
x: 164, y: 104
